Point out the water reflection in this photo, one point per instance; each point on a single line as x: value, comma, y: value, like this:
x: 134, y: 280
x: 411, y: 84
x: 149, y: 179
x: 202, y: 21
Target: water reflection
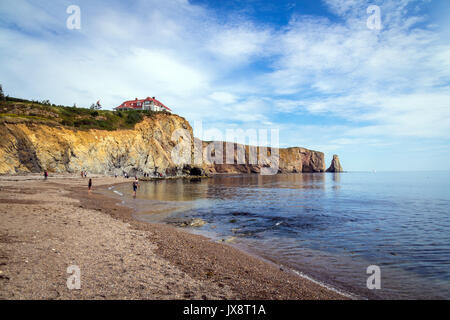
x: 226, y: 187
x: 336, y: 176
x: 171, y: 190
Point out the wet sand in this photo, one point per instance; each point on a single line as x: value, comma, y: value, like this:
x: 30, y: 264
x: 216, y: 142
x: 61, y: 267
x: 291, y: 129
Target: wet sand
x: 47, y: 226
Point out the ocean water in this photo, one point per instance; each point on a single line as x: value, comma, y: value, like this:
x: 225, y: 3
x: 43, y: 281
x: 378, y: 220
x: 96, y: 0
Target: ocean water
x: 330, y: 227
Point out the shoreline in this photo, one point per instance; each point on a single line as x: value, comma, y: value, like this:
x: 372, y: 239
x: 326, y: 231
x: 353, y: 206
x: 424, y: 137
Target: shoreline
x: 320, y: 279
x: 241, y: 246
x: 210, y: 270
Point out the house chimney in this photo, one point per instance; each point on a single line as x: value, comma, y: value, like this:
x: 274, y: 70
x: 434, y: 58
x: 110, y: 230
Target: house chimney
x: 136, y: 99
x: 154, y: 98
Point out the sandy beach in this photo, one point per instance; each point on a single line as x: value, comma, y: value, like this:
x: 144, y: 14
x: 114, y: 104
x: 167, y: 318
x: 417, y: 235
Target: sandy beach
x: 47, y: 226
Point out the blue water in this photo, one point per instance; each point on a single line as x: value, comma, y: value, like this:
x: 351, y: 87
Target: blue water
x: 329, y: 226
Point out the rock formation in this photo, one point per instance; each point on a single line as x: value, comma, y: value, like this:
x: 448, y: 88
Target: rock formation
x: 291, y: 160
x: 335, y: 165
x: 31, y: 146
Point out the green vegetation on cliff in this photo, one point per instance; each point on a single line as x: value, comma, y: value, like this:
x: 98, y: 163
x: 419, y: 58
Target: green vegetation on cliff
x: 14, y: 109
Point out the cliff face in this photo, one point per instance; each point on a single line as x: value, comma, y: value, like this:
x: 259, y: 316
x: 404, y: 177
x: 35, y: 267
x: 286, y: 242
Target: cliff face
x: 32, y: 147
x: 248, y: 159
x: 27, y: 146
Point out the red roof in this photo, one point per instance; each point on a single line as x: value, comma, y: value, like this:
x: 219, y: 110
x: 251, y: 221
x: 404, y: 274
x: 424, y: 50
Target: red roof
x: 132, y: 104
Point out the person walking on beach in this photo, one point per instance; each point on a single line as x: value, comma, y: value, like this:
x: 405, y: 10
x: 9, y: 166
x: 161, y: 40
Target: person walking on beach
x: 90, y: 185
x: 135, y: 185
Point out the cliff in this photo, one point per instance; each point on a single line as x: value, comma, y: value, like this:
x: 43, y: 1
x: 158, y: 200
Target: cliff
x: 33, y: 146
x: 30, y: 146
x: 291, y: 160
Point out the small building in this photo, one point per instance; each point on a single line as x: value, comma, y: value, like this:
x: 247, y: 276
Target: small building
x: 148, y: 103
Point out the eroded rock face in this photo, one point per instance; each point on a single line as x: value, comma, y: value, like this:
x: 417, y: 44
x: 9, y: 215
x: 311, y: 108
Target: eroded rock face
x: 335, y: 165
x: 291, y: 160
x: 27, y: 146
x: 31, y: 147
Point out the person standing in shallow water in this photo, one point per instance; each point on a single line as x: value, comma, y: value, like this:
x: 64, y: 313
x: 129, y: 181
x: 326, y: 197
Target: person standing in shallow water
x: 45, y: 175
x: 135, y: 185
x: 90, y: 185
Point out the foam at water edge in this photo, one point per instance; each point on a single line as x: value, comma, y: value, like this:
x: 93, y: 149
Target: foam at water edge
x: 326, y: 286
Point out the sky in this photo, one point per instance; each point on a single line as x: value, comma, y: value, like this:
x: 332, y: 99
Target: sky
x: 312, y: 69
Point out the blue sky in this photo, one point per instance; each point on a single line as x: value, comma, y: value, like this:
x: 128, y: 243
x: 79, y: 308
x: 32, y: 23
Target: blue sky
x: 312, y: 69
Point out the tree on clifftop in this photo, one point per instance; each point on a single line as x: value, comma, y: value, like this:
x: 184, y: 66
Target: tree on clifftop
x: 2, y: 95
x: 96, y: 106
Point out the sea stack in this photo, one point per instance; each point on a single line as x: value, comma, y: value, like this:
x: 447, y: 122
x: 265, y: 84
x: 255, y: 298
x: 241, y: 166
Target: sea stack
x: 335, y: 165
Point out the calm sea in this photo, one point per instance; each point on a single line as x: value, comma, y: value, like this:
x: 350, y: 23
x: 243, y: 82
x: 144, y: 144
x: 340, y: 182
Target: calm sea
x: 328, y: 226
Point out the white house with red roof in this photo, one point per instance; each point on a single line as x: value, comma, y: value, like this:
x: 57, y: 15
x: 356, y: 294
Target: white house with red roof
x: 148, y: 103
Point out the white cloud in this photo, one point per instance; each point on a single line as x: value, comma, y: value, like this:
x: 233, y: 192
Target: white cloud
x: 223, y: 97
x: 397, y: 79
x: 240, y: 43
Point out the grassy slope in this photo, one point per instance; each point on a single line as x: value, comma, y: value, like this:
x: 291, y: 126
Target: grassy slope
x: 79, y: 118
